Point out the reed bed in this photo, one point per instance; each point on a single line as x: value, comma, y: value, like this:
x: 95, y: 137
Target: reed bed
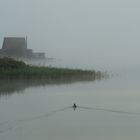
x: 10, y: 68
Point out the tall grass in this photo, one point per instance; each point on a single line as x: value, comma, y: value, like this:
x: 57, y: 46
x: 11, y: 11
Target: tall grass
x: 10, y: 68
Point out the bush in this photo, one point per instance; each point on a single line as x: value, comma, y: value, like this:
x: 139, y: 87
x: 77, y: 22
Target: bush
x: 7, y: 63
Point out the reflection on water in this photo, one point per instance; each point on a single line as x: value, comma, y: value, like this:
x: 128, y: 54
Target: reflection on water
x: 10, y: 86
x: 105, y: 110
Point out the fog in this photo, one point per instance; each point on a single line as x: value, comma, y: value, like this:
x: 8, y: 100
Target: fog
x: 100, y: 34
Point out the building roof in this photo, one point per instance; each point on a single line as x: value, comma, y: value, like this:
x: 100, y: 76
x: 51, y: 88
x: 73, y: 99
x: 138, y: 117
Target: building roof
x: 14, y: 42
x: 16, y: 47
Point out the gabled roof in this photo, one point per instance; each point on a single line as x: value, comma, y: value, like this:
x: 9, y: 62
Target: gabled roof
x: 12, y: 42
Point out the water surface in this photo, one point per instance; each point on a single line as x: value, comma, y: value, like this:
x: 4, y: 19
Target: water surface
x: 107, y: 109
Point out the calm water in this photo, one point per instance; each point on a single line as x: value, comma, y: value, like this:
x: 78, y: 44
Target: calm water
x: 109, y: 109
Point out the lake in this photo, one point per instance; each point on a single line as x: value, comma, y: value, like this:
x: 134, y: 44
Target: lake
x: 108, y: 109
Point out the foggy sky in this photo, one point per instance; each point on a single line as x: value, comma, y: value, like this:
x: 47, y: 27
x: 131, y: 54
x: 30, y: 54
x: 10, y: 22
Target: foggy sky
x: 78, y: 33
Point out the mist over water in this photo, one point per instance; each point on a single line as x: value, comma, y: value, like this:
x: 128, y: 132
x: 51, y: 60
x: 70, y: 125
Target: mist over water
x: 101, y: 35
x: 106, y: 109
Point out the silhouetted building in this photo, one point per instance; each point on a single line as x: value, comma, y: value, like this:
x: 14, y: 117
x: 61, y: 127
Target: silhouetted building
x: 16, y: 47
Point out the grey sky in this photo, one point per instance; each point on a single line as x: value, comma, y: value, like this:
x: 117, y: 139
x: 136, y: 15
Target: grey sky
x: 92, y: 33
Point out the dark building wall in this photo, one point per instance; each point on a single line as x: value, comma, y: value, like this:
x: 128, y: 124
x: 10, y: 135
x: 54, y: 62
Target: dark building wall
x: 13, y: 46
x: 14, y: 43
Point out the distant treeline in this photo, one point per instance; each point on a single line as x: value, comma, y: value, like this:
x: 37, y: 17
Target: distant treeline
x: 13, y: 69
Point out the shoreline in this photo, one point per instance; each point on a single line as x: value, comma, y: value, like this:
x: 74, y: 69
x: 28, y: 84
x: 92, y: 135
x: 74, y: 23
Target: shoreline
x: 13, y: 69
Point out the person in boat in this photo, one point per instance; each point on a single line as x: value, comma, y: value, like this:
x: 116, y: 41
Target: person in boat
x: 74, y: 106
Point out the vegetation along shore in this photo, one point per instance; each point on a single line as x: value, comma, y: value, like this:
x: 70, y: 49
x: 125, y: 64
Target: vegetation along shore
x: 11, y: 69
